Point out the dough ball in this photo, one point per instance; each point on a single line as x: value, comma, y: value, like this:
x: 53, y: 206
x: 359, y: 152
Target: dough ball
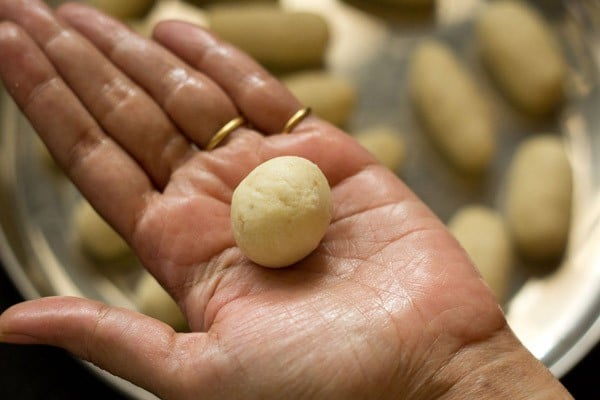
x: 96, y: 237
x: 155, y: 302
x: 281, y: 211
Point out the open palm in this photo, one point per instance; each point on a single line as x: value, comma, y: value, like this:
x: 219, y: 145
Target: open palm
x: 384, y: 308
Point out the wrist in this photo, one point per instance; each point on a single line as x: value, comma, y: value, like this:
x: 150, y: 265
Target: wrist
x: 500, y: 368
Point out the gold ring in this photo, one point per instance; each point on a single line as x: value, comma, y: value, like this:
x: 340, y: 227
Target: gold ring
x: 296, y: 119
x: 224, y: 132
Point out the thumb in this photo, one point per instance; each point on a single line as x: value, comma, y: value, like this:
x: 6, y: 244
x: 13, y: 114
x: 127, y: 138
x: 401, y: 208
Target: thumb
x: 140, y: 349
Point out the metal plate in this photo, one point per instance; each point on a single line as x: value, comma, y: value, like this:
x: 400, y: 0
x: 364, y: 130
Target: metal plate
x: 555, y: 314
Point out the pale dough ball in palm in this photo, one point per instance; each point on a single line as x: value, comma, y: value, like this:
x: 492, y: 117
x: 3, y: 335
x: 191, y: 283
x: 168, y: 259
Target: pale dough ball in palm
x: 281, y: 210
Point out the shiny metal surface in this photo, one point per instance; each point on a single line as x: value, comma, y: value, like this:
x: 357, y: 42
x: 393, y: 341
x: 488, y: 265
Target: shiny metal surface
x: 555, y: 313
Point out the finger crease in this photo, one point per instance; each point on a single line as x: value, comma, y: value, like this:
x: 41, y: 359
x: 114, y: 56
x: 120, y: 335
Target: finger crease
x: 60, y: 34
x: 117, y: 93
x: 172, y: 152
x: 39, y: 90
x: 116, y: 45
x: 86, y: 142
x: 91, y: 340
x: 175, y: 79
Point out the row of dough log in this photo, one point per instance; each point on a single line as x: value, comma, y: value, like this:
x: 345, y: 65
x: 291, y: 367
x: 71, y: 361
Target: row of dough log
x: 536, y: 215
x: 521, y: 54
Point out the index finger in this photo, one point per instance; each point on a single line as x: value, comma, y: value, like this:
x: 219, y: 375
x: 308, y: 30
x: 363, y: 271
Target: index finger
x: 97, y: 165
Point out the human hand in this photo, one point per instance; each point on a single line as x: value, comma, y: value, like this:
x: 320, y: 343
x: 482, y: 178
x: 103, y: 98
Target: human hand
x: 388, y: 306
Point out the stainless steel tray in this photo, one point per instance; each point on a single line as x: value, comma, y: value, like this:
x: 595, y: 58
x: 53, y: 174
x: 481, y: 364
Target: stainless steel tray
x: 556, y: 314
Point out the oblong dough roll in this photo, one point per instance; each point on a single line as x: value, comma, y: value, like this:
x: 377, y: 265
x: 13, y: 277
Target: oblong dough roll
x: 205, y: 2
x: 406, y: 3
x: 522, y: 54
x: 385, y: 144
x: 331, y: 97
x: 538, y: 197
x: 280, y: 40
x: 454, y: 111
x: 171, y: 9
x: 96, y: 236
x: 484, y: 235
x: 153, y: 300
x: 123, y: 9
